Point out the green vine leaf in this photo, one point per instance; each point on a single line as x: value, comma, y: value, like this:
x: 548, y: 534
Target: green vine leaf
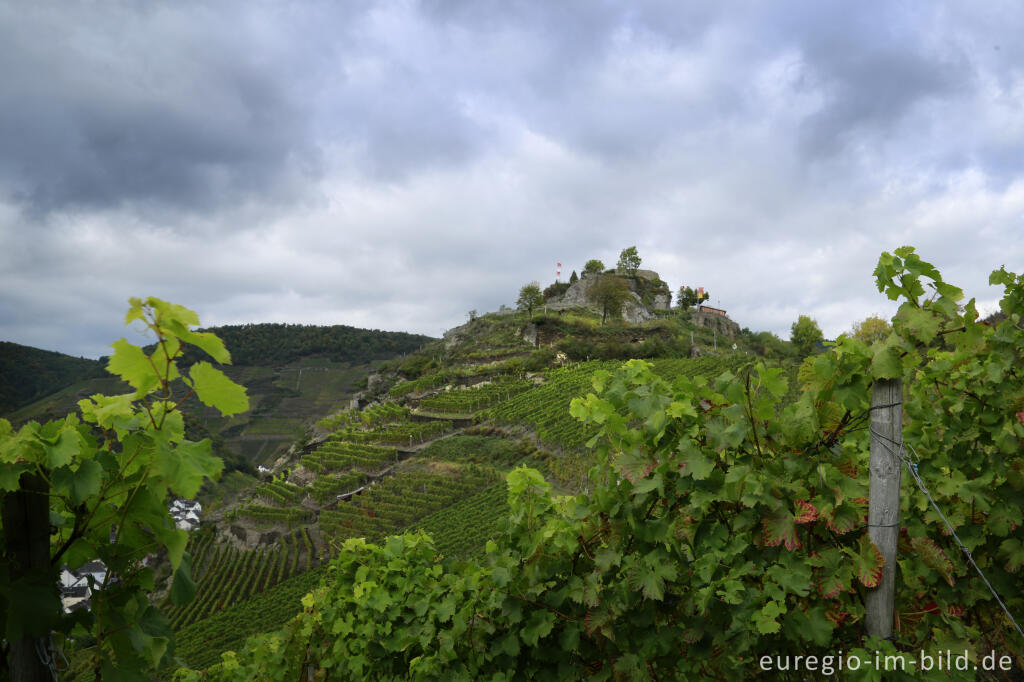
x: 186, y: 466
x: 1013, y: 550
x: 833, y: 574
x: 129, y: 362
x: 765, y: 618
x: 81, y: 484
x: 845, y: 518
x: 537, y: 627
x: 183, y: 587
x: 216, y: 390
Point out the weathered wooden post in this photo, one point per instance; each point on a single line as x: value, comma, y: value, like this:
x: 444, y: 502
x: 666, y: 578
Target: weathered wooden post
x: 884, y: 498
x: 26, y: 523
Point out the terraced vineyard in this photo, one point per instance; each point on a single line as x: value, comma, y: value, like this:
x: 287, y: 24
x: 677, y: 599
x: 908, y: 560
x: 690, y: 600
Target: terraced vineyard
x: 403, y: 499
x: 424, y: 383
x: 546, y: 408
x: 201, y: 642
x: 380, y: 413
x: 494, y: 370
x: 469, y: 400
x: 464, y: 528
x: 471, y: 447
x: 336, y: 455
x: 326, y: 487
x: 226, y: 575
x: 496, y: 353
x: 400, y: 433
x: 281, y: 491
x: 263, y: 515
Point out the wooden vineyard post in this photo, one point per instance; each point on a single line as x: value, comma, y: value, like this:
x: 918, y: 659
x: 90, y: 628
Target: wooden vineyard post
x: 26, y: 523
x: 884, y: 499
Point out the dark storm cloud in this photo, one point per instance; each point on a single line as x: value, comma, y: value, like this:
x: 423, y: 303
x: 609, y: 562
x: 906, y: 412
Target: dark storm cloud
x: 872, y: 68
x: 104, y: 105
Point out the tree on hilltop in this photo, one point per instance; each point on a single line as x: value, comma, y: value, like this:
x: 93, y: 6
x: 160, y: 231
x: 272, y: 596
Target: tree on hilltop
x: 629, y: 262
x: 805, y: 335
x: 530, y: 297
x: 610, y: 292
x: 594, y: 267
x: 872, y: 329
x: 689, y: 297
x: 573, y: 278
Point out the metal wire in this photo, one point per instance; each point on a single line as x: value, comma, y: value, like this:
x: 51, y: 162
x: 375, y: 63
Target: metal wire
x: 46, y: 652
x: 912, y: 469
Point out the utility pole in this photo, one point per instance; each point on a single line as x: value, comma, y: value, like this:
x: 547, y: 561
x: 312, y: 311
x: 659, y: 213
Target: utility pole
x: 884, y: 499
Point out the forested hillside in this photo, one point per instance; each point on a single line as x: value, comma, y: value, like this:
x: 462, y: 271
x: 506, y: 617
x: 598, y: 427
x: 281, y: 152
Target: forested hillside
x: 295, y: 374
x: 27, y: 373
x: 278, y: 344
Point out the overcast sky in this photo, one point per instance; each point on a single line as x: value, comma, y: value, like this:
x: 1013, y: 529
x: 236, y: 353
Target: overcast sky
x: 393, y: 165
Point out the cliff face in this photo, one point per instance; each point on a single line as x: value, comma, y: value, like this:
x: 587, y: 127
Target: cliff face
x: 720, y: 323
x: 647, y: 284
x: 578, y: 293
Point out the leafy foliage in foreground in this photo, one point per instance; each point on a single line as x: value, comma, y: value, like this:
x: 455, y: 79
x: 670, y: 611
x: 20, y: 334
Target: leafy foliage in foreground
x: 103, y: 476
x: 546, y: 408
x: 726, y: 527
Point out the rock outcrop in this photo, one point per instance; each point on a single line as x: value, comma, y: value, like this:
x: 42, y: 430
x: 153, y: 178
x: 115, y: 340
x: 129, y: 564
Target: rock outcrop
x: 719, y: 323
x: 529, y: 334
x: 634, y: 310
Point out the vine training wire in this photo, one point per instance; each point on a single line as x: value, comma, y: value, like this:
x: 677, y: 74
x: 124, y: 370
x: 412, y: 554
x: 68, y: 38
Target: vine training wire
x: 911, y: 465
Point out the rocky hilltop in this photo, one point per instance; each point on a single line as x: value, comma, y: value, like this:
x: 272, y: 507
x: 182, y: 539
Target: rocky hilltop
x: 647, y: 293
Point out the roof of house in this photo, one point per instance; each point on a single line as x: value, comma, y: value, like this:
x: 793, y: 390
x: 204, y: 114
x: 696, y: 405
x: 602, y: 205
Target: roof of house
x: 79, y: 591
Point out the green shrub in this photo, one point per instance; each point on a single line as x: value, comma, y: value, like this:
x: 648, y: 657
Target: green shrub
x: 539, y: 359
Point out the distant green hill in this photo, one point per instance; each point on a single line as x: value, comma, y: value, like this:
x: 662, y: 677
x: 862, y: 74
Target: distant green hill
x: 294, y: 374
x: 27, y: 373
x: 273, y: 344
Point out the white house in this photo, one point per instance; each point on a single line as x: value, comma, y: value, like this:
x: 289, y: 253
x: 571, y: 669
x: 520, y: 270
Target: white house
x: 186, y: 514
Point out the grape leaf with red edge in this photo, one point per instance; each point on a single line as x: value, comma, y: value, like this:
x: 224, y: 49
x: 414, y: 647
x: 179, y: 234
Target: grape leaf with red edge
x: 933, y: 557
x: 844, y: 518
x: 781, y: 530
x: 834, y: 572
x: 867, y: 561
x: 805, y: 512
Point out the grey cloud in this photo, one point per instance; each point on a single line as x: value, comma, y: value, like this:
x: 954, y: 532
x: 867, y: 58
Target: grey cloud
x: 102, y: 107
x: 869, y: 94
x: 395, y: 164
